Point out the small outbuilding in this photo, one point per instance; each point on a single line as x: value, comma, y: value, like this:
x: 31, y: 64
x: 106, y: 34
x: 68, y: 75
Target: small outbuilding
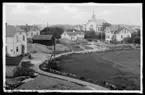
x: 44, y: 39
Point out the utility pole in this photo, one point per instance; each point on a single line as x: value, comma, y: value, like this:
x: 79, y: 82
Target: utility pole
x: 54, y: 45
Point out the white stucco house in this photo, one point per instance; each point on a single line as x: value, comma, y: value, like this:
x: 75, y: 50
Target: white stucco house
x: 72, y: 35
x: 94, y: 24
x: 30, y: 30
x: 16, y: 41
x: 118, y: 32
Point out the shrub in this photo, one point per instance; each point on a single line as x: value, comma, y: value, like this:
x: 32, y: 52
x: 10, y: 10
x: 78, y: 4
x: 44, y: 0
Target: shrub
x: 136, y: 40
x: 24, y: 70
x: 21, y: 71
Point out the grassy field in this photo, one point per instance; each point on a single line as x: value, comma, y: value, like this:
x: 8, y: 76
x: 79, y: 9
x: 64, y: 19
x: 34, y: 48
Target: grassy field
x: 120, y: 68
x: 48, y: 83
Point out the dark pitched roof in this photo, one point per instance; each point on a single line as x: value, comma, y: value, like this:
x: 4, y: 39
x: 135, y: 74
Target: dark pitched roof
x: 28, y: 27
x: 74, y: 33
x: 12, y: 30
x: 42, y: 37
x: 25, y: 27
x: 116, y: 28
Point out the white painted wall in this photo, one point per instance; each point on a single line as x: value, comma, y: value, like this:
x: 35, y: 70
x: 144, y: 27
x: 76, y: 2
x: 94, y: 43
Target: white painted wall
x: 9, y: 45
x: 119, y: 37
x: 30, y: 34
x: 65, y: 35
x: 91, y: 25
x: 12, y: 44
x: 123, y: 34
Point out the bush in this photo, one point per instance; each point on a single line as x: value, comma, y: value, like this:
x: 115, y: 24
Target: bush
x: 24, y: 70
x: 128, y: 40
x: 136, y: 40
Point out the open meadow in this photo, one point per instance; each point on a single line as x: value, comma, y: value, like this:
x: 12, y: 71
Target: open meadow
x: 120, y: 68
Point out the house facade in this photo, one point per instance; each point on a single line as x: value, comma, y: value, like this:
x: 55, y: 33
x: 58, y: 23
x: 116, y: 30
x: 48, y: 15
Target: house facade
x: 31, y: 30
x: 73, y: 35
x: 16, y: 41
x: 94, y: 24
x: 118, y: 32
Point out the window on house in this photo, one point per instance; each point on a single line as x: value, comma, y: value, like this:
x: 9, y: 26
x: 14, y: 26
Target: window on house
x: 121, y: 36
x: 98, y: 28
x: 17, y: 49
x: 31, y: 34
x: 108, y: 36
x: 17, y: 39
x: 23, y: 38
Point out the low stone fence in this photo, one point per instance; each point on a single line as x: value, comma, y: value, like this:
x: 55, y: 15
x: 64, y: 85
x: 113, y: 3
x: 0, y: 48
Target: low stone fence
x: 76, y: 52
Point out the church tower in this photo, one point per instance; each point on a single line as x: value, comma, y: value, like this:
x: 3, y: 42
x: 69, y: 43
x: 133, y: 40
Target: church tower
x: 93, y: 16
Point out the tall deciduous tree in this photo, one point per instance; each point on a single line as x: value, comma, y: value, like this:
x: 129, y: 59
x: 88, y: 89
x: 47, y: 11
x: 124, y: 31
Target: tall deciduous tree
x: 106, y: 24
x: 55, y: 31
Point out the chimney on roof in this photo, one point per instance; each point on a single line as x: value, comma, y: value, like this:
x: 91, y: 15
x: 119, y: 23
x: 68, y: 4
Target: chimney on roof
x: 6, y: 24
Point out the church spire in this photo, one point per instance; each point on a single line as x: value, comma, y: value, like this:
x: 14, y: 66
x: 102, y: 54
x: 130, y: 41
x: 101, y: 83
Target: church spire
x: 93, y: 16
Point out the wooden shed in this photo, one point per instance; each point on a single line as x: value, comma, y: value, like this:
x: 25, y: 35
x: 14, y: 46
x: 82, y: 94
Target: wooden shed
x: 44, y: 39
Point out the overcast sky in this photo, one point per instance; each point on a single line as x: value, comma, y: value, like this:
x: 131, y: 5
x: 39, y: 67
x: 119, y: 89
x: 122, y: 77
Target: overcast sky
x: 42, y: 13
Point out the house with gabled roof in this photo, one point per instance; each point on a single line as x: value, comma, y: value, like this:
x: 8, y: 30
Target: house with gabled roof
x: 16, y: 41
x: 72, y: 35
x: 118, y: 32
x: 30, y: 30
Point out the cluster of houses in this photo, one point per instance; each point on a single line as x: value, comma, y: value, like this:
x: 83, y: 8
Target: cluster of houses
x: 118, y: 31
x: 16, y: 36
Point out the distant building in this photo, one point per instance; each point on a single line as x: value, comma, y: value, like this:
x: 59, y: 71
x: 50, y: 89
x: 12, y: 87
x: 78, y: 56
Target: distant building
x: 118, y: 32
x: 30, y: 30
x: 44, y: 39
x: 94, y: 24
x: 16, y: 41
x: 78, y: 27
x: 72, y: 35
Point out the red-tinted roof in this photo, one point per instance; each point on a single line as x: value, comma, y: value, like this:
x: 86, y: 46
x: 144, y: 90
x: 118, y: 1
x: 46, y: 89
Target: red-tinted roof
x: 42, y: 37
x: 12, y: 30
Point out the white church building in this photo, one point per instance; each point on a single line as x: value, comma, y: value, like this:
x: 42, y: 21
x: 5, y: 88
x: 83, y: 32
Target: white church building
x: 94, y: 24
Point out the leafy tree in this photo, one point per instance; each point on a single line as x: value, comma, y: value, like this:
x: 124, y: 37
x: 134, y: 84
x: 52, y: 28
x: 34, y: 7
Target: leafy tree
x: 106, y: 24
x: 114, y: 40
x: 128, y: 40
x: 90, y: 35
x: 55, y: 31
x: 136, y: 39
x: 101, y: 36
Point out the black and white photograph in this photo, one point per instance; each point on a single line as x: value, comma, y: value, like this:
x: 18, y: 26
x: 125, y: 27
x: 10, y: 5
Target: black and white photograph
x: 72, y: 47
